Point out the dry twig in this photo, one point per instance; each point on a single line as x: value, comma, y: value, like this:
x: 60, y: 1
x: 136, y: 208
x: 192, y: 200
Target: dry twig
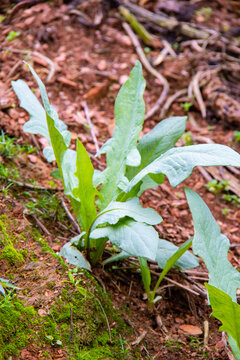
x: 39, y: 55
x: 228, y: 352
x: 206, y: 333
x: 30, y: 186
x: 109, y: 330
x: 177, y: 284
x: 75, y: 224
x: 90, y: 125
x: 150, y: 69
x: 197, y: 92
x: 40, y: 224
x: 170, y: 100
x: 139, y: 338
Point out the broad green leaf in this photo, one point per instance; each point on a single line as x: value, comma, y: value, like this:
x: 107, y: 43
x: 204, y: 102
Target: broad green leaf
x: 212, y: 246
x: 129, y: 117
x: 59, y: 136
x: 58, y: 143
x: 68, y: 166
x: 74, y: 256
x: 234, y: 347
x: 150, y: 181
x: 85, y: 191
x: 178, y: 163
x: 131, y: 208
x: 137, y: 239
x: 47, y: 125
x: 171, y: 256
x: 133, y: 158
x: 160, y: 139
x: 37, y: 123
x: 225, y: 310
x: 146, y: 275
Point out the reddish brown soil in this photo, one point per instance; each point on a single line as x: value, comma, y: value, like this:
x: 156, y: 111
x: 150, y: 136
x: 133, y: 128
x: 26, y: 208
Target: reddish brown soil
x: 90, y: 64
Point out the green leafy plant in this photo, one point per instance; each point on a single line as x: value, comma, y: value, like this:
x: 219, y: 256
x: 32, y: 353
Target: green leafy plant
x: 106, y: 203
x: 224, y: 279
x: 217, y: 187
x: 225, y: 211
x: 186, y: 106
x: 237, y: 136
x: 204, y: 12
x: 232, y: 198
x: 187, y: 137
x: 12, y: 35
x: 9, y: 148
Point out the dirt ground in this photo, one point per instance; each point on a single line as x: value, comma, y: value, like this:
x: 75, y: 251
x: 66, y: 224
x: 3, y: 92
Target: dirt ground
x: 83, y: 54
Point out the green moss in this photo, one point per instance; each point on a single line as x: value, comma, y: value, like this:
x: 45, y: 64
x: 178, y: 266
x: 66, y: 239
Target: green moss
x: 78, y: 322
x: 46, y: 248
x: 13, y: 257
x: 16, y: 323
x: 7, y: 239
x: 4, y: 222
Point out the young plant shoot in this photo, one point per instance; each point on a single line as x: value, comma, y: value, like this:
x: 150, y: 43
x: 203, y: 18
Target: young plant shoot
x: 106, y: 204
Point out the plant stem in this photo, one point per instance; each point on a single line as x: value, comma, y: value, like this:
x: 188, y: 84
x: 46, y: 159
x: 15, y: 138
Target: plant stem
x: 98, y: 251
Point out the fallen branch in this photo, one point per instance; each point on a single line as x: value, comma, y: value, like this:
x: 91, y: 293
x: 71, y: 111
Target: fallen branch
x: 137, y: 27
x: 30, y: 186
x: 39, y: 55
x: 164, y: 22
x: 150, y: 69
x: 40, y: 225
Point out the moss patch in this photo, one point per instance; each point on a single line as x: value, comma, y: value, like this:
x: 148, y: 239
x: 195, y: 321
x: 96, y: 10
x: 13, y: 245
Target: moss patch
x: 78, y: 321
x: 7, y: 241
x: 16, y: 325
x: 70, y: 312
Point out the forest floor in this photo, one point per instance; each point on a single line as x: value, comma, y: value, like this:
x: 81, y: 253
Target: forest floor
x: 82, y: 53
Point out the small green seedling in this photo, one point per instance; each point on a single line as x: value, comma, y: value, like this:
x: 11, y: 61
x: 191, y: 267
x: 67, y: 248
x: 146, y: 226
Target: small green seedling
x: 232, y: 198
x: 204, y: 12
x: 186, y: 106
x: 9, y: 149
x: 225, y: 211
x: 12, y: 35
x: 187, y: 137
x: 216, y: 187
x: 106, y: 203
x: 236, y: 136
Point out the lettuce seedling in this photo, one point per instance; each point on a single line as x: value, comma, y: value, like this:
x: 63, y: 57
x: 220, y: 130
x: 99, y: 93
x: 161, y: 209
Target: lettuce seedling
x: 106, y: 203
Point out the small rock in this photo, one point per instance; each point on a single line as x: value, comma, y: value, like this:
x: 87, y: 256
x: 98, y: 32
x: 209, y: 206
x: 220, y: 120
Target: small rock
x: 102, y: 65
x: 123, y: 79
x: 190, y: 329
x: 13, y: 114
x: 32, y: 158
x: 42, y: 312
x: 178, y: 321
